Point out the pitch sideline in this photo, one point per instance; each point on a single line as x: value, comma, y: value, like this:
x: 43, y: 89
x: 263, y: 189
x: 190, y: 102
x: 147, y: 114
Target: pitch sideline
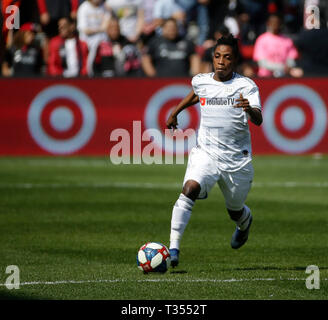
x: 59, y: 282
x: 150, y: 185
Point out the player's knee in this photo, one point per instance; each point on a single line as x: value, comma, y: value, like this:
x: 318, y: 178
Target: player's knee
x: 191, y: 189
x: 235, y: 214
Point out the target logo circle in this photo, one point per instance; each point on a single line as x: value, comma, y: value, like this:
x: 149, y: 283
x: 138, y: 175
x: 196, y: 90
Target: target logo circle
x: 294, y: 118
x: 158, y: 109
x: 61, y: 119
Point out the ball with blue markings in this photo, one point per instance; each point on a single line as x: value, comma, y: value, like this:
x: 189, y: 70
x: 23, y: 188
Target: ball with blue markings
x: 153, y: 257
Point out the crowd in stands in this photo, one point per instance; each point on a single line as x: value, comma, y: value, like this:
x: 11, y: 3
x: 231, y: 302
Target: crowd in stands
x: 162, y: 38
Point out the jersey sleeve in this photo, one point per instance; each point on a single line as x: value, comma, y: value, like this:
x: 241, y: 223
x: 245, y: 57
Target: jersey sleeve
x: 195, y: 84
x: 253, y: 96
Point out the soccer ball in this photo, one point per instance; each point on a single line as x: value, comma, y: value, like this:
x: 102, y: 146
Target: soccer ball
x: 153, y: 257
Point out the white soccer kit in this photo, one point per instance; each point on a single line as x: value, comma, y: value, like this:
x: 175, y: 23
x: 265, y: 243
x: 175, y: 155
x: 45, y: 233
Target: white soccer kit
x: 223, y: 153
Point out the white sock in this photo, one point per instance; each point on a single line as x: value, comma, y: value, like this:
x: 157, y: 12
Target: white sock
x: 243, y: 221
x: 180, y: 217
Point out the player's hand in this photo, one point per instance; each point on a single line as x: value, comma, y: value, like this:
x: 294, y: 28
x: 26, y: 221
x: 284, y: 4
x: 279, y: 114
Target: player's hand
x: 172, y: 122
x: 242, y: 103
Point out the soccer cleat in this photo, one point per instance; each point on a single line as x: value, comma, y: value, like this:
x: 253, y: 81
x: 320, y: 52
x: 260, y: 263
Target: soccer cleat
x: 240, y: 237
x: 174, y: 253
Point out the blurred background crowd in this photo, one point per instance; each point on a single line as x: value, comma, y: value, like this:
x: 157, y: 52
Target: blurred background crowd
x: 161, y: 38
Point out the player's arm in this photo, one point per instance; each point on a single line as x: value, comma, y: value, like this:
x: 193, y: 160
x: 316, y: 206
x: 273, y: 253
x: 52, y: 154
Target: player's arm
x: 188, y: 101
x: 255, y: 114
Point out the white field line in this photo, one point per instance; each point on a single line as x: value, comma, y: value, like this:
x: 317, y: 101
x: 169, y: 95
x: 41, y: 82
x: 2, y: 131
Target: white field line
x: 150, y: 185
x: 33, y: 283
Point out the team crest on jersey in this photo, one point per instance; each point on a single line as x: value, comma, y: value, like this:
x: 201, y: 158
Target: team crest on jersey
x: 229, y: 90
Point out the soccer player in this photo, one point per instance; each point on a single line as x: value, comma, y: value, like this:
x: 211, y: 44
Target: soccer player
x: 223, y: 152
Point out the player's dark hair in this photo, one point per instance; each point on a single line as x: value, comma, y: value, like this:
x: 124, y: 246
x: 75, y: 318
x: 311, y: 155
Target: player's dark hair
x: 231, y: 41
x: 223, y: 30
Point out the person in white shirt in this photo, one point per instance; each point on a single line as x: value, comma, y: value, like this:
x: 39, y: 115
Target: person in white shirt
x: 165, y: 9
x: 223, y: 153
x: 92, y: 23
x: 129, y: 14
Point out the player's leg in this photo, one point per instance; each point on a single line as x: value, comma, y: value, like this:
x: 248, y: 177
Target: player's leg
x: 199, y: 179
x: 180, y: 217
x: 241, y: 217
x: 235, y: 187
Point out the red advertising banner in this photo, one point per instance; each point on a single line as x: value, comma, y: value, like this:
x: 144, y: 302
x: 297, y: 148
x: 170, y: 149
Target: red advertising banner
x: 92, y: 116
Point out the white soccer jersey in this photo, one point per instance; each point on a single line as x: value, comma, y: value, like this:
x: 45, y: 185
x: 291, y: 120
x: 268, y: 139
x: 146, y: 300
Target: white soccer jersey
x: 223, y: 132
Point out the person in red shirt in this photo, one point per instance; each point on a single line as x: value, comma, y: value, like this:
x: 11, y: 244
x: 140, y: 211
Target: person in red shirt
x: 51, y: 11
x: 67, y: 54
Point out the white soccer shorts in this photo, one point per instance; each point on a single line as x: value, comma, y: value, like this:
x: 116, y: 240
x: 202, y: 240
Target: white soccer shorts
x: 234, y: 185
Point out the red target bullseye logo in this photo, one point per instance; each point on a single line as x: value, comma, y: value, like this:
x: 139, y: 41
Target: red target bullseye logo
x: 294, y: 118
x: 61, y: 119
x: 158, y: 110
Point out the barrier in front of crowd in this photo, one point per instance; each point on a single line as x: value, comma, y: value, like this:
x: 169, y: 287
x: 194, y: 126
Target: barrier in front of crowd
x: 93, y: 116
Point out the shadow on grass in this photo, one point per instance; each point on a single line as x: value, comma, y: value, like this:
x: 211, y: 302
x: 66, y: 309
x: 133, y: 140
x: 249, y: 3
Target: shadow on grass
x: 179, y: 271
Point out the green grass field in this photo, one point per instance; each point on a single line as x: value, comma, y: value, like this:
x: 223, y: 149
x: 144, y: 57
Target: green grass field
x: 73, y: 227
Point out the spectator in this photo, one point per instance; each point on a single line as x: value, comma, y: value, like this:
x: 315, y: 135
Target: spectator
x: 165, y: 9
x: 92, y: 22
x: 116, y: 56
x: 50, y: 12
x: 274, y: 52
x: 231, y: 20
x: 292, y: 16
x: 197, y: 10
x: 217, y: 11
x: 12, y: 16
x: 169, y: 55
x: 252, y: 17
x: 130, y: 17
x: 53, y: 10
x: 28, y: 11
x: 24, y: 57
x: 148, y: 20
x: 313, y: 51
x: 67, y: 54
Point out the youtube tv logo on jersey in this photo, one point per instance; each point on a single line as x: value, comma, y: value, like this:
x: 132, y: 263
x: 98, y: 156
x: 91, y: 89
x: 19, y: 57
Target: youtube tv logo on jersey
x: 217, y: 101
